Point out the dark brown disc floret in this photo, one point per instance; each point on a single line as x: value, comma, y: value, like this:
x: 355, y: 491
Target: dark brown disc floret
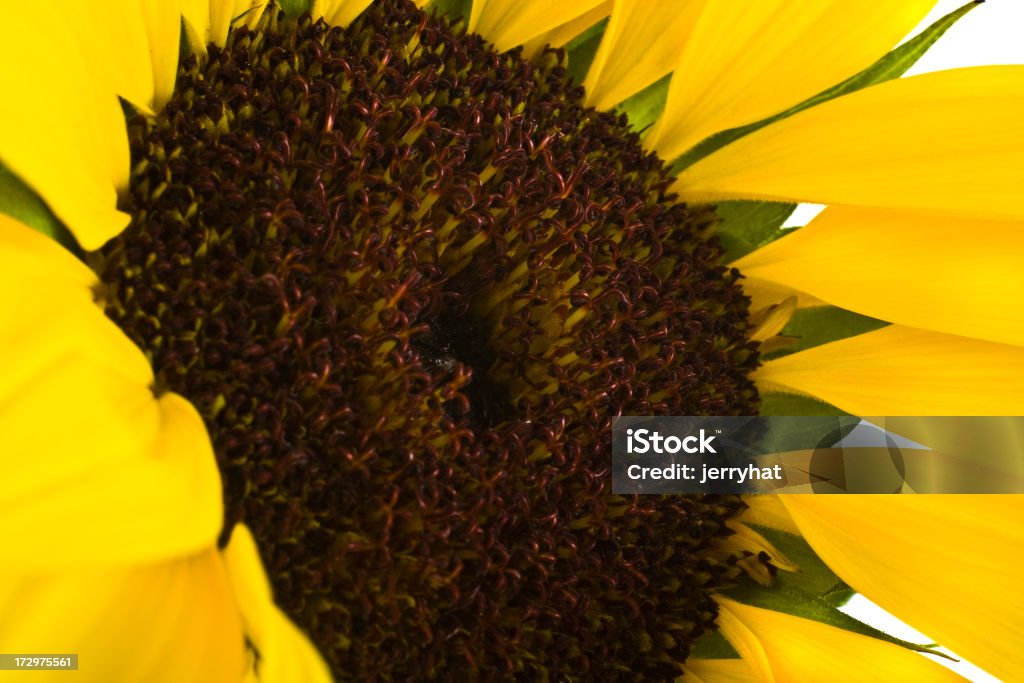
x: 408, y: 281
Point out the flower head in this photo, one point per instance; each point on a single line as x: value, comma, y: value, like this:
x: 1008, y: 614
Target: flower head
x: 394, y: 274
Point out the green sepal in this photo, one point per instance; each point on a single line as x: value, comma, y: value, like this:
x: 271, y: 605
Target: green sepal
x: 804, y: 593
x: 822, y: 324
x: 582, y: 49
x: 892, y: 65
x: 790, y: 404
x: 295, y: 8
x: 823, y: 432
x: 184, y: 45
x: 19, y: 201
x: 812, y: 327
x: 713, y: 645
x: 455, y: 10
x: 746, y: 225
x: 644, y: 108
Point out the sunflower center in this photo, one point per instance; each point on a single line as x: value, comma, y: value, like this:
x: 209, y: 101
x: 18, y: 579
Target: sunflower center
x: 408, y: 281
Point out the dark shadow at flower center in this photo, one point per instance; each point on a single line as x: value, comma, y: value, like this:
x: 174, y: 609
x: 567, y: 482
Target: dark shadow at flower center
x: 455, y: 343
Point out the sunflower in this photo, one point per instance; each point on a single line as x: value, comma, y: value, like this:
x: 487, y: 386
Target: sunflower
x: 311, y: 370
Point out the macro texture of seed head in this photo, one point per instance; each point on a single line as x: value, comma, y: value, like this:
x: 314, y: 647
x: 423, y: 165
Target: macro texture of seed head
x: 408, y: 282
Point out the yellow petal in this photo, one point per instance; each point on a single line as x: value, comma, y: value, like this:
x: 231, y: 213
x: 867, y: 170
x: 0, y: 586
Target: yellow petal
x: 28, y: 259
x: 285, y: 655
x: 133, y: 44
x: 562, y: 35
x: 77, y: 169
x: 748, y: 548
x: 874, y: 469
x: 942, y: 273
x: 745, y: 61
x: 162, y: 500
x: 766, y: 293
x: 974, y: 443
x: 745, y: 538
x: 116, y: 47
x: 947, y: 141
x: 209, y: 21
x: 803, y: 650
x: 221, y: 14
x: 768, y: 511
x: 950, y: 566
x: 508, y: 23
x: 639, y: 47
x: 339, y: 12
x: 769, y: 321
x: 167, y: 622
x: 196, y: 16
x: 249, y: 12
x: 905, y: 371
x: 163, y: 27
x: 745, y: 642
x: 719, y: 671
x: 89, y: 455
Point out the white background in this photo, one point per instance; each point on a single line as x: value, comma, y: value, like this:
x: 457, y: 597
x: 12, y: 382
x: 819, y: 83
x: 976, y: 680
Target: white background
x: 989, y: 34
x: 992, y: 33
